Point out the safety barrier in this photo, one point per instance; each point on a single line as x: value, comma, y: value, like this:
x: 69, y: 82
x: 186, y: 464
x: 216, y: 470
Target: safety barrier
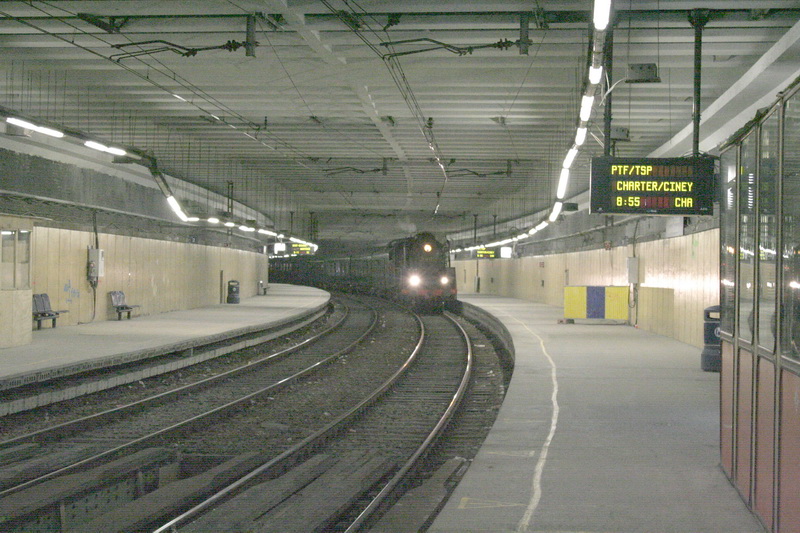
x: 596, y: 302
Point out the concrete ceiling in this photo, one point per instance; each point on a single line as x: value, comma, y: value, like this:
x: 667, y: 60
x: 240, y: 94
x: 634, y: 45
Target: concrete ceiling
x: 323, y: 117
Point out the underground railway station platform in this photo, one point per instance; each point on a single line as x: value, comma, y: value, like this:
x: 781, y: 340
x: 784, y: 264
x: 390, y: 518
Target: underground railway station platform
x: 65, y: 350
x: 603, y: 428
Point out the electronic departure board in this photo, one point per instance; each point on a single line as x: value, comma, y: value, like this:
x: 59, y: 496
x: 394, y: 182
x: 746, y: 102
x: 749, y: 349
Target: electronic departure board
x: 300, y: 249
x: 667, y: 186
x: 486, y: 253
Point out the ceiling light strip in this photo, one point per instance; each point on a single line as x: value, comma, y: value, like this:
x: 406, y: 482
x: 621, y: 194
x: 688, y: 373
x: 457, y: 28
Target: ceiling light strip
x: 594, y: 78
x: 171, y: 200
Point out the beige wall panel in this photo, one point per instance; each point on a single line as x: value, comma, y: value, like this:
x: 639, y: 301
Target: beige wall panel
x: 170, y: 278
x: 191, y: 264
x: 112, y: 280
x: 55, y: 270
x: 86, y: 305
x: 690, y: 266
x: 160, y: 293
x: 206, y: 284
x: 169, y: 252
x: 21, y: 319
x: 160, y: 276
x: 63, y: 274
x: 210, y: 275
x: 152, y: 288
x: 132, y: 265
x: 74, y: 288
x: 656, y: 312
x: 679, y: 277
x: 39, y: 247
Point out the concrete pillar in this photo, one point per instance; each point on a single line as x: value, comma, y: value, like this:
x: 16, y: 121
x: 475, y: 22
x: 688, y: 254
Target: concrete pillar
x: 16, y: 321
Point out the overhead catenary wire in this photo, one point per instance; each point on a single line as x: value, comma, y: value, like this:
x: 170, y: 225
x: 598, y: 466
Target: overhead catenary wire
x: 156, y: 66
x: 395, y: 69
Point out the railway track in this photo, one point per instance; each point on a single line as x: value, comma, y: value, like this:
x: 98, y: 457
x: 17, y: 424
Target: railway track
x: 337, y: 484
x: 26, y: 397
x: 49, y: 454
x: 141, y: 484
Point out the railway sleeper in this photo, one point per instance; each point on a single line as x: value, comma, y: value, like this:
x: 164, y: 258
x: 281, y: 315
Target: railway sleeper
x: 31, y: 464
x: 416, y: 509
x: 307, y: 498
x: 19, y: 452
x: 321, y: 504
x: 171, y: 499
x: 65, y: 502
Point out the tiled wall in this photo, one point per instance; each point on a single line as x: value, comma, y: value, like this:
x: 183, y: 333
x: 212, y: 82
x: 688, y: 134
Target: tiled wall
x: 679, y: 277
x: 159, y: 275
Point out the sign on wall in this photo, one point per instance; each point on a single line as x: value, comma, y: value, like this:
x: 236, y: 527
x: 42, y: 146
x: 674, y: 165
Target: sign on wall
x: 640, y: 185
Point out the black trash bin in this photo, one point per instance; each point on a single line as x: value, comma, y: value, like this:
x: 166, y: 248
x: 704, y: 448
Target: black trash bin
x: 711, y: 358
x: 233, y: 292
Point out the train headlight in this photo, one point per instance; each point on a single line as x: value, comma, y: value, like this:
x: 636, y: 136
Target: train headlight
x: 427, y: 247
x: 414, y: 280
x: 445, y: 280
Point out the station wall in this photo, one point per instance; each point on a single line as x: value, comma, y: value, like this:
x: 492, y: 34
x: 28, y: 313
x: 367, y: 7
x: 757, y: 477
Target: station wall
x: 158, y: 275
x: 679, y: 278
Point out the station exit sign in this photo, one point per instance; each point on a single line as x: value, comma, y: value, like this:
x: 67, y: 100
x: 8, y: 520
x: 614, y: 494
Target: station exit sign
x: 652, y: 186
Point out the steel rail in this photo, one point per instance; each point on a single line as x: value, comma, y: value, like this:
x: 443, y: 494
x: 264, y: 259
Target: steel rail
x: 423, y: 448
x: 99, y: 417
x: 300, y: 448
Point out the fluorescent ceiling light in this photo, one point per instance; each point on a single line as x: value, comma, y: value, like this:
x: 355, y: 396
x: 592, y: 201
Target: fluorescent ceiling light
x: 103, y: 148
x: 562, y: 183
x: 116, y: 151
x: 173, y: 203
x: 213, y: 220
x: 573, y: 152
x: 580, y: 136
x: 96, y: 146
x: 595, y: 75
x: 30, y: 126
x: 602, y: 14
x: 586, y: 107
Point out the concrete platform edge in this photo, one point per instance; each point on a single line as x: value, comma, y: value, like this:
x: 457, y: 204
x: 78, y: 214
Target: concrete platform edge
x: 26, y: 378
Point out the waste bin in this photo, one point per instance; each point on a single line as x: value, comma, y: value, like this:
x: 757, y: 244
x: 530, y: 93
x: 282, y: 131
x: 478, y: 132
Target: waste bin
x: 233, y: 292
x: 711, y: 357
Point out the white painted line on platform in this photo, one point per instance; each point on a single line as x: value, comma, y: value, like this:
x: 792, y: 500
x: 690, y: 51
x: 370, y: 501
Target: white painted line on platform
x: 537, y: 476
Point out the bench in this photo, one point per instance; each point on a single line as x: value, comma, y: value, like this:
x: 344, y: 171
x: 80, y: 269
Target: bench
x: 119, y: 304
x: 43, y: 311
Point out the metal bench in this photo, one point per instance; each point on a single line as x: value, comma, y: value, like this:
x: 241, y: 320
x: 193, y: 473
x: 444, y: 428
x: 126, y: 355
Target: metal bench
x: 43, y: 311
x: 120, y: 305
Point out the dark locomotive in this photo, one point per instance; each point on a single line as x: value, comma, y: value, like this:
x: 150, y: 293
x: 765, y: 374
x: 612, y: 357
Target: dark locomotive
x: 415, y: 271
